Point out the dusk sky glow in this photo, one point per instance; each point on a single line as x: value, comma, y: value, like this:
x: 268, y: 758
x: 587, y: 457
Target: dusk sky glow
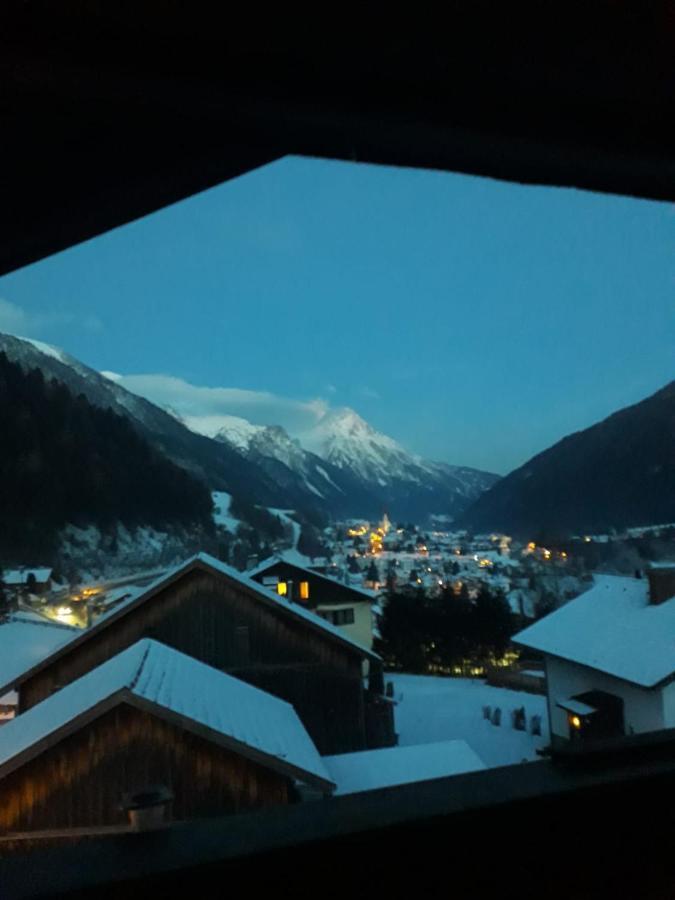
x: 476, y: 322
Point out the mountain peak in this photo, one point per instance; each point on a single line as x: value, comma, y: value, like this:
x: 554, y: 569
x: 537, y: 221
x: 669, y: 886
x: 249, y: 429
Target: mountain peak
x: 344, y: 420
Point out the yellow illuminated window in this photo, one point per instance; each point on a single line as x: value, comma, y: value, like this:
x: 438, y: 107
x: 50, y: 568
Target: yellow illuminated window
x: 304, y: 590
x: 282, y: 588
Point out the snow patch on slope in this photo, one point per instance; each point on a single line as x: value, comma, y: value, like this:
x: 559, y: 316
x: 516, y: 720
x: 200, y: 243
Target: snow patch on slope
x: 231, y: 429
x: 47, y: 349
x: 347, y: 441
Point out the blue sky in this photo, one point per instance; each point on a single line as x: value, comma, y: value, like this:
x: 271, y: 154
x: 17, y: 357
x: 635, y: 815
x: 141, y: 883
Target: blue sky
x: 475, y: 321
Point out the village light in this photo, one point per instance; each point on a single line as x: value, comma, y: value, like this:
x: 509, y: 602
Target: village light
x: 575, y: 722
x: 282, y: 588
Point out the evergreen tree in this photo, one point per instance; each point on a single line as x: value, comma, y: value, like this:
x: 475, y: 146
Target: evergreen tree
x: 372, y: 574
x: 310, y: 543
x: 4, y: 600
x: 353, y: 565
x: 63, y: 460
x: 494, y: 622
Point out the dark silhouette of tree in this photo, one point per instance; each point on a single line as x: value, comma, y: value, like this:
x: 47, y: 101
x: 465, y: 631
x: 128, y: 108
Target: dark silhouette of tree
x: 259, y: 518
x: 5, y: 607
x: 448, y: 629
x: 493, y: 622
x: 310, y: 543
x: 63, y: 460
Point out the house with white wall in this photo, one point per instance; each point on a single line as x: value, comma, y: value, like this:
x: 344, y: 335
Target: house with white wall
x: 610, y: 658
x: 352, y: 609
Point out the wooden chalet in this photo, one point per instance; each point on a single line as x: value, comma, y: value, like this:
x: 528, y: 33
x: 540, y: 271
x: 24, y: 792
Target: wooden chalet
x: 344, y: 605
x: 150, y: 721
x: 211, y: 612
x: 20, y: 582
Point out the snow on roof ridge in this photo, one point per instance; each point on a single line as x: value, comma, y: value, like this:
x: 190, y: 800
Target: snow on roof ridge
x: 612, y: 628
x: 300, y: 611
x: 215, y: 564
x: 272, y: 560
x: 147, y: 644
x: 233, y: 708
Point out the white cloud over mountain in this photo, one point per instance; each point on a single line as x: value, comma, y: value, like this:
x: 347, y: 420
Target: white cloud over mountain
x: 202, y: 408
x: 14, y: 319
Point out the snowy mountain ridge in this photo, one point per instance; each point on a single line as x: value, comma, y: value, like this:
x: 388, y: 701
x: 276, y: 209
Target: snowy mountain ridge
x: 342, y: 466
x: 347, y: 441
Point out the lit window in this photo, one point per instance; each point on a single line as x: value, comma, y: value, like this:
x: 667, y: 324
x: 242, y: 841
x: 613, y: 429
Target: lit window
x: 304, y: 590
x: 282, y: 588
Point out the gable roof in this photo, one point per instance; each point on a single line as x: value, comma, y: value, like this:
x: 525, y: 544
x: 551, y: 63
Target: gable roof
x: 177, y: 688
x: 12, y: 577
x: 369, y: 770
x: 27, y: 639
x: 363, y: 596
x: 209, y: 564
x: 612, y: 628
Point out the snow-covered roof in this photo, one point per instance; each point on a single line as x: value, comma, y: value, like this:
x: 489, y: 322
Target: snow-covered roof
x: 26, y: 640
x: 215, y: 565
x: 519, y: 596
x: 238, y: 715
x: 271, y: 561
x: 117, y: 594
x: 612, y: 628
x: 369, y: 770
x: 12, y: 577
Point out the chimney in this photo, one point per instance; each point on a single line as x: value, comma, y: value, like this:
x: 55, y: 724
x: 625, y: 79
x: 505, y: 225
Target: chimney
x: 149, y: 809
x: 661, y: 582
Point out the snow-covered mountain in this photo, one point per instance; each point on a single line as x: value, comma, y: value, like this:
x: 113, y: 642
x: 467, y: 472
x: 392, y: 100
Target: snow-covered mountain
x: 222, y: 466
x: 344, y: 453
x: 343, y: 466
x: 347, y: 441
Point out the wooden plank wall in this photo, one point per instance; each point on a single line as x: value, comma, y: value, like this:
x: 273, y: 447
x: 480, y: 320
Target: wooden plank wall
x: 203, y: 616
x: 321, y: 590
x: 81, y: 781
x: 330, y: 706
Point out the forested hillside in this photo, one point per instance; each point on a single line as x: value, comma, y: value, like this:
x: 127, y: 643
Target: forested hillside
x: 63, y: 460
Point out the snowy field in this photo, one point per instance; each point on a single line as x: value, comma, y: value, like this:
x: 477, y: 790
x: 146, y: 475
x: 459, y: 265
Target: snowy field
x: 433, y: 709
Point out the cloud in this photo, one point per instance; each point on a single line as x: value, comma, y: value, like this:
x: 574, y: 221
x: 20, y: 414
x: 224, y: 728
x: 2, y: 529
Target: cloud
x: 369, y: 393
x: 18, y: 321
x: 13, y: 319
x: 202, y: 406
x: 93, y: 324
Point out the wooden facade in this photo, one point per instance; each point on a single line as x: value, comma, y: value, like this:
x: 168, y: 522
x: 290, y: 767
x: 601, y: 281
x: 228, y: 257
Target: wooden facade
x: 81, y: 780
x: 221, y: 622
x: 323, y: 591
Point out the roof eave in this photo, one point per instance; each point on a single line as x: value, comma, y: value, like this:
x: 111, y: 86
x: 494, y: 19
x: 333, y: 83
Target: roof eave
x: 193, y: 563
x: 641, y: 684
